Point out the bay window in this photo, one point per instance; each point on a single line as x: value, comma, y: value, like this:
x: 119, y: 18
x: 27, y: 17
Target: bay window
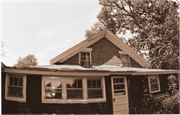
x: 72, y: 89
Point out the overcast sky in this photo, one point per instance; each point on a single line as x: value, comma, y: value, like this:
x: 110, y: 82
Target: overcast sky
x: 44, y: 29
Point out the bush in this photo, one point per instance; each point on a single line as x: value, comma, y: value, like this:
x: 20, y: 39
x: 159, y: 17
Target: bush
x: 164, y: 105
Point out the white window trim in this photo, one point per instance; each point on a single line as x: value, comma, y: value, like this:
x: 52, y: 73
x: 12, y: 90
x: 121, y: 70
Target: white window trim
x: 20, y: 99
x: 89, y: 50
x: 150, y: 84
x: 64, y: 94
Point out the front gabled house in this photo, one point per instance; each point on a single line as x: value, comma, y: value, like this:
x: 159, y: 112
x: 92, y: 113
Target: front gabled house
x: 100, y: 75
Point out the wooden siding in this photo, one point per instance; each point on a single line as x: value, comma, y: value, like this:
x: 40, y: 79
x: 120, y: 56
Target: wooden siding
x: 74, y: 60
x: 34, y: 105
x: 136, y: 89
x: 134, y: 63
x: 103, y: 52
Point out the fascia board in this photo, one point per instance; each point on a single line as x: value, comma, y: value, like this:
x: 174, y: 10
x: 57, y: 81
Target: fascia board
x: 114, y: 39
x: 73, y: 50
x: 36, y: 72
x: 156, y: 72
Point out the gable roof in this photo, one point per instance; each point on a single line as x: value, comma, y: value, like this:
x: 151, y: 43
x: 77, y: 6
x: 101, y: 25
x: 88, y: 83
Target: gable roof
x: 91, y: 40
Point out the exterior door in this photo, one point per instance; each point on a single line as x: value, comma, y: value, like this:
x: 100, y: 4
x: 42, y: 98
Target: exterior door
x: 120, y: 95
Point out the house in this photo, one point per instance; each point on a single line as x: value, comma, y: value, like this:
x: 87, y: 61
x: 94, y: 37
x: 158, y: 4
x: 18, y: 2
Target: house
x: 99, y: 75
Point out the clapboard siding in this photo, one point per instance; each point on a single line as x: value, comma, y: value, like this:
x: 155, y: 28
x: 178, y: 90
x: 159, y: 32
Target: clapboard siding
x: 33, y: 104
x: 103, y: 53
x: 134, y: 63
x: 33, y: 89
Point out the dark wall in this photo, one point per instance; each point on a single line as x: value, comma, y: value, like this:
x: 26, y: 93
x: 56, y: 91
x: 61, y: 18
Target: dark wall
x: 139, y: 83
x: 33, y: 104
x: 134, y: 63
x: 103, y: 52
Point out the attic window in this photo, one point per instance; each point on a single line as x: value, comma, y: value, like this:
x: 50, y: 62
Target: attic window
x: 125, y: 59
x: 85, y: 58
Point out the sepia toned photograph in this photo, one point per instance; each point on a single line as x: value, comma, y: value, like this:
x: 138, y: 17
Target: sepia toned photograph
x: 90, y: 57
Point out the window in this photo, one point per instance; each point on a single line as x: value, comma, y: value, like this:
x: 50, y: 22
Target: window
x: 119, y: 86
x: 53, y: 88
x: 154, y: 85
x: 94, y: 89
x: 125, y: 59
x: 15, y: 88
x: 72, y: 89
x: 85, y: 58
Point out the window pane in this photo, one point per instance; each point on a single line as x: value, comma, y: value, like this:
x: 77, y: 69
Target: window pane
x: 93, y: 83
x: 15, y: 91
x: 98, y: 83
x: 53, y: 93
x: 118, y: 93
x: 79, y: 83
x: 53, y: 83
x: 153, y: 79
x: 119, y: 86
x: 154, y: 87
x: 95, y: 93
x: 124, y: 58
x: 73, y: 83
x: 89, y: 83
x: 20, y: 81
x: 11, y: 81
x: 118, y: 80
x: 15, y: 81
x: 74, y: 94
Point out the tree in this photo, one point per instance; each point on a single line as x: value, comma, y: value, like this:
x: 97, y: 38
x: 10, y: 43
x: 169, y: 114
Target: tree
x: 29, y: 60
x: 155, y: 24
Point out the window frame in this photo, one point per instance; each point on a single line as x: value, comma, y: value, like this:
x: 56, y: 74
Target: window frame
x: 128, y: 58
x: 64, y: 99
x: 158, y: 82
x: 11, y: 98
x: 87, y: 50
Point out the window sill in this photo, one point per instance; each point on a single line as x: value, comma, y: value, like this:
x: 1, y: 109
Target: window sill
x: 73, y: 101
x: 154, y: 91
x: 15, y: 99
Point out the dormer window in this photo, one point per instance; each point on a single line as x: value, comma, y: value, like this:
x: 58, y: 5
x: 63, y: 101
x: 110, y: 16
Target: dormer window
x: 85, y: 58
x: 125, y: 59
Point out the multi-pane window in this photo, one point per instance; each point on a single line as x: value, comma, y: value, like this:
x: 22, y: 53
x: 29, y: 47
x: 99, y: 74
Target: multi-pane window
x: 94, y: 88
x: 119, y: 86
x: 85, y: 60
x: 74, y: 88
x: 125, y: 60
x: 154, y: 85
x: 53, y: 88
x: 15, y: 88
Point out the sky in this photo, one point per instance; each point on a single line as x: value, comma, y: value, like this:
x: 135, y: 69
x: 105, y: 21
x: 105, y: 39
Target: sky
x: 45, y: 28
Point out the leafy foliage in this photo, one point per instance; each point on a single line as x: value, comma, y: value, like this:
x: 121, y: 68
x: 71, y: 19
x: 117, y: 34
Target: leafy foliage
x: 29, y: 60
x: 163, y: 105
x: 172, y: 83
x: 155, y: 24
